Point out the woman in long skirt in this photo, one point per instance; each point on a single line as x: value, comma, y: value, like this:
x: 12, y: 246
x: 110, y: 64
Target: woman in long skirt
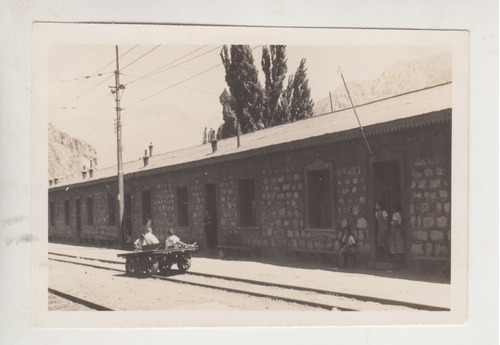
x: 382, y: 229
x: 396, y: 241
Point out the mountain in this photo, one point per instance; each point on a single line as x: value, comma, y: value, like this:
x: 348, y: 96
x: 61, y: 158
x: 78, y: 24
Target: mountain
x: 68, y: 155
x: 399, y: 78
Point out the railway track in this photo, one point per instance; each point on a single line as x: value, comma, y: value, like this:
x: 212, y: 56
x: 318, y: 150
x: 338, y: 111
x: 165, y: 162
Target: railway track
x: 79, y: 301
x: 322, y: 299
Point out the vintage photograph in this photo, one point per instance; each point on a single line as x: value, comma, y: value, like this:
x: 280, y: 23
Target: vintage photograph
x: 249, y: 171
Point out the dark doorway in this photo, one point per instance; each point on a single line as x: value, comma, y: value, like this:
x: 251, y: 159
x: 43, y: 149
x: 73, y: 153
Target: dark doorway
x: 387, y: 183
x: 127, y: 215
x: 146, y: 206
x: 387, y: 191
x: 78, y: 217
x: 210, y: 219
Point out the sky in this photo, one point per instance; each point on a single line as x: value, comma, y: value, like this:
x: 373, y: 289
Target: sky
x: 172, y: 91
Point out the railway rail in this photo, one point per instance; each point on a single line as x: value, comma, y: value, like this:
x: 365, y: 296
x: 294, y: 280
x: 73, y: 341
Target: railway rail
x: 309, y: 296
x: 79, y: 301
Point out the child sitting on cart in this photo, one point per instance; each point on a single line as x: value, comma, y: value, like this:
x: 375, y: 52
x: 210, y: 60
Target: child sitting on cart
x: 174, y: 241
x: 139, y: 242
x: 150, y: 238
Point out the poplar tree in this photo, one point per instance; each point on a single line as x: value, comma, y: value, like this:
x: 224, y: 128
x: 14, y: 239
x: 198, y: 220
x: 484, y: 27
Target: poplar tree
x: 298, y: 94
x: 205, y: 140
x: 228, y: 128
x: 275, y: 69
x: 244, y: 86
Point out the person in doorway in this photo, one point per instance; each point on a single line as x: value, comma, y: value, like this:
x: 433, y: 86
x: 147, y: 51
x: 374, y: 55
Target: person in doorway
x: 150, y: 238
x: 148, y: 223
x: 347, y: 246
x: 173, y: 241
x: 208, y: 225
x: 139, y: 242
x: 383, y: 225
x: 396, y: 241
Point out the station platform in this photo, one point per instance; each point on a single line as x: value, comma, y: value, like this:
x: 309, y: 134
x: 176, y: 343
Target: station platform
x: 359, y: 282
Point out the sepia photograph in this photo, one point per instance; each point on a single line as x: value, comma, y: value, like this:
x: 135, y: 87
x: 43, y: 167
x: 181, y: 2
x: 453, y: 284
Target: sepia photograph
x: 220, y: 172
x: 268, y: 170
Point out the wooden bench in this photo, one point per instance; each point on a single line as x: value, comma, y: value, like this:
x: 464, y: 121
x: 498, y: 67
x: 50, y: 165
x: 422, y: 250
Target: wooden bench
x: 235, y: 249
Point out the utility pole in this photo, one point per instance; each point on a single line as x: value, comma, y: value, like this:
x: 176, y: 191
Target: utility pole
x: 355, y: 113
x: 117, y: 91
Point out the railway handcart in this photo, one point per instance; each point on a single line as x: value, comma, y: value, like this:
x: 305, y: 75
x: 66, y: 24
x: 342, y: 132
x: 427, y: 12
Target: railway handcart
x: 154, y: 257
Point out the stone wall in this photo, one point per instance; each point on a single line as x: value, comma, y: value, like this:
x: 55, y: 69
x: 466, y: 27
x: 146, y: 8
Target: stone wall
x: 280, y: 186
x: 429, y: 203
x: 353, y: 207
x: 97, y: 232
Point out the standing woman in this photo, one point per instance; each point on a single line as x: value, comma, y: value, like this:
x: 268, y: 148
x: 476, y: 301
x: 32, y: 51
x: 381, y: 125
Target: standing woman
x: 148, y: 223
x: 382, y: 229
x: 396, y: 241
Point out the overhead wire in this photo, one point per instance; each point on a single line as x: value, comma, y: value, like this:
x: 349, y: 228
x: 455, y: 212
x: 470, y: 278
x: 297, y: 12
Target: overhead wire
x: 158, y: 70
x: 164, y: 67
x: 180, y: 82
x: 103, y: 81
x: 85, y: 77
x: 100, y: 69
x: 165, y: 83
x: 140, y: 57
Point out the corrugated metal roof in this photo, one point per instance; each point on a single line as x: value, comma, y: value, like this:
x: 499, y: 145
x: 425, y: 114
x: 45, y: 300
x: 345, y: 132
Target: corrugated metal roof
x: 401, y: 107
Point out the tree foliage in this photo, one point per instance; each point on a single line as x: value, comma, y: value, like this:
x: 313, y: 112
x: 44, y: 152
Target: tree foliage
x: 244, y: 86
x: 205, y: 138
x: 253, y: 107
x: 298, y: 95
x: 228, y: 128
x: 275, y: 69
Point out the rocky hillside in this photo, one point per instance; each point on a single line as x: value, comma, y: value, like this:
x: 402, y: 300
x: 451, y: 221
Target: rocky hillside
x: 68, y: 155
x: 397, y: 79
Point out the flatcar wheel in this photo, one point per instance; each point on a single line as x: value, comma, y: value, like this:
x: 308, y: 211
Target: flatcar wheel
x: 165, y: 267
x: 154, y: 266
x: 131, y: 266
x: 148, y: 266
x: 184, y: 262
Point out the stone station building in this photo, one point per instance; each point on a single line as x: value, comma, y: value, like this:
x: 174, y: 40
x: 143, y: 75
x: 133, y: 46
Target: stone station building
x: 285, y: 189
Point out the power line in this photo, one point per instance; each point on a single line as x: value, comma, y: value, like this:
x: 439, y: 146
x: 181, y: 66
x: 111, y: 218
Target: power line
x: 180, y: 82
x: 165, y: 83
x: 85, y: 77
x: 140, y: 57
x: 100, y: 69
x: 176, y: 84
x: 89, y: 90
x: 158, y: 70
x: 163, y: 68
x: 92, y: 88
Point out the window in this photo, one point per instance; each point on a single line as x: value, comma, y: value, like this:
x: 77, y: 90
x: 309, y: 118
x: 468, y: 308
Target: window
x: 146, y: 206
x: 90, y: 211
x: 66, y: 212
x: 319, y: 199
x: 246, y: 202
x: 182, y: 206
x: 51, y: 213
x: 111, y: 210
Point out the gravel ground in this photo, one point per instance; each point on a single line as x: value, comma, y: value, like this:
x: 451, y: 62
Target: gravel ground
x: 362, y: 283
x: 116, y: 291
x: 57, y: 303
